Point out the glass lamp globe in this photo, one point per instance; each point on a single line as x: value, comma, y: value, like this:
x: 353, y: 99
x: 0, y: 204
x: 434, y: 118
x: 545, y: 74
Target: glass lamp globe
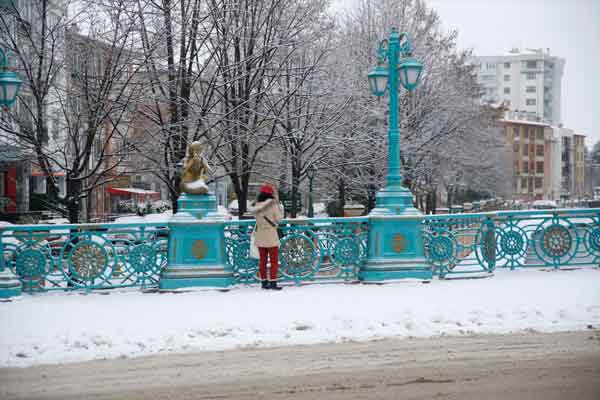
x: 378, y: 80
x: 410, y: 73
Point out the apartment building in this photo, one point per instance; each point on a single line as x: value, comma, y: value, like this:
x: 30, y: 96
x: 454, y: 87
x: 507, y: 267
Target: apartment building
x: 546, y: 162
x: 20, y: 176
x: 527, y: 82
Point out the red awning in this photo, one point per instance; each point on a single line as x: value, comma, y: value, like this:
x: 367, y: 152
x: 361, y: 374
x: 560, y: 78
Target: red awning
x: 130, y: 191
x: 40, y: 173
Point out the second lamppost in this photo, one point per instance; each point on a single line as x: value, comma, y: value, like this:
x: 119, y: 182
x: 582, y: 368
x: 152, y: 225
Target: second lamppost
x: 9, y: 82
x: 394, y: 198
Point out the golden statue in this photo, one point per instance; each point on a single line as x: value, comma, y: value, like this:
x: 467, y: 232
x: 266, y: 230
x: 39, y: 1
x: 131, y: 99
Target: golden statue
x: 195, y: 167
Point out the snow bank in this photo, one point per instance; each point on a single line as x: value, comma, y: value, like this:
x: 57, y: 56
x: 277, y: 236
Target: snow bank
x: 61, y: 327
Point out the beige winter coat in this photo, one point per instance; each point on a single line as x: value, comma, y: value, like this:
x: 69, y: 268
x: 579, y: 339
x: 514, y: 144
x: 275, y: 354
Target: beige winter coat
x: 266, y: 235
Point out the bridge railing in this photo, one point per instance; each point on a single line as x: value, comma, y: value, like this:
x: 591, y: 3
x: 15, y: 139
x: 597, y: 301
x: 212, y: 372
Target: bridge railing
x: 464, y: 243
x: 310, y: 249
x: 102, y: 256
x: 84, y: 256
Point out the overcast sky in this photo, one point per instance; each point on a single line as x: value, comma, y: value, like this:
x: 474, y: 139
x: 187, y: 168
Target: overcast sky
x: 570, y: 28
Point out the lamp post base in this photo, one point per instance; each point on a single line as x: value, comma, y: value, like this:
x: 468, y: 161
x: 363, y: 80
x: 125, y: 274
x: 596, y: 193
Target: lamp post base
x: 395, y: 200
x: 395, y: 239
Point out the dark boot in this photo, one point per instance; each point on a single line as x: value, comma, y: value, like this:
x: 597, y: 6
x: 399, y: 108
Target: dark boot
x: 273, y: 286
x: 264, y: 284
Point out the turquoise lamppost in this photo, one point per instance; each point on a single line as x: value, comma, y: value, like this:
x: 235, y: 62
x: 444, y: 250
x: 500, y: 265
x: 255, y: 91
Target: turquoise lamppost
x: 394, y: 198
x: 10, y: 84
x: 395, y: 229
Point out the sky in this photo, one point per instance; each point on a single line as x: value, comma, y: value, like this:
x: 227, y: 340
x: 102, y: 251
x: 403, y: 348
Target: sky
x: 570, y: 28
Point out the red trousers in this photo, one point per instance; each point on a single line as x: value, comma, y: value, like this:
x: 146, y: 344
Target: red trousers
x: 273, y: 254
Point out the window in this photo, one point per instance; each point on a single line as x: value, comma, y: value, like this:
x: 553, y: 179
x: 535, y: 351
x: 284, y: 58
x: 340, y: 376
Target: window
x: 490, y: 66
x: 530, y: 89
x: 506, y: 78
x: 538, y: 183
x: 530, y: 102
x: 38, y: 184
x: 539, y: 167
x: 540, y: 134
x: 524, y: 150
x: 516, y: 147
x: 531, y: 64
x: 506, y: 65
x: 506, y: 90
x: 516, y: 166
x: 516, y: 131
x: 525, y: 167
x: 530, y: 76
x: 539, y: 150
x: 523, y: 183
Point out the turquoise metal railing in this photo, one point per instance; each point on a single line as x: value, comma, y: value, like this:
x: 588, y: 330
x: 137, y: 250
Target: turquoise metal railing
x: 315, y: 249
x: 466, y: 243
x: 68, y: 257
x: 84, y: 256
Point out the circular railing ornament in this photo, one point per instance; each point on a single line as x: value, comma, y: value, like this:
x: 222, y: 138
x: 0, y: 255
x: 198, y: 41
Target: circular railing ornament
x: 245, y: 268
x: 298, y: 256
x: 512, y: 244
x: 346, y: 251
x: 556, y: 241
x: 31, y: 265
x: 89, y: 257
x: 442, y: 250
x: 143, y: 259
x: 592, y: 240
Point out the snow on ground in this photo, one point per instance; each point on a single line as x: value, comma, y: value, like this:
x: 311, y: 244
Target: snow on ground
x: 61, y: 327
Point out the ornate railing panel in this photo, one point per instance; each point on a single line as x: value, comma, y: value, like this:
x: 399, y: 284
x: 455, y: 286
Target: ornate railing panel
x: 463, y: 243
x: 460, y: 243
x: 67, y: 257
x: 555, y: 238
x: 315, y: 249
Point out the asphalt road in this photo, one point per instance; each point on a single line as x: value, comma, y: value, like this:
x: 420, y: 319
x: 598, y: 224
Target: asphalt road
x: 521, y: 366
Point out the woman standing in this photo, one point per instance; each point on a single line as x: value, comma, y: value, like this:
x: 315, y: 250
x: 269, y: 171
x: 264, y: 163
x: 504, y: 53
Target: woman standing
x: 268, y: 214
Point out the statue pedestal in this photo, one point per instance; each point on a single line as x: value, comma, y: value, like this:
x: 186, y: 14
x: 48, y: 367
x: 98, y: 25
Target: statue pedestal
x: 198, y: 205
x: 196, y: 242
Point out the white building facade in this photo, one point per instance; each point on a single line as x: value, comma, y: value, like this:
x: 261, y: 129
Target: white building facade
x: 528, y: 83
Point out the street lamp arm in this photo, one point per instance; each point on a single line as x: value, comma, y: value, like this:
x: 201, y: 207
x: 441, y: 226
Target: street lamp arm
x: 382, y: 52
x: 405, y: 48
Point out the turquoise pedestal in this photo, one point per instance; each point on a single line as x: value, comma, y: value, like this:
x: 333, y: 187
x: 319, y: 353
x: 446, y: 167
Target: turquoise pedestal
x: 10, y: 286
x: 395, y: 240
x: 198, y: 205
x: 196, y: 246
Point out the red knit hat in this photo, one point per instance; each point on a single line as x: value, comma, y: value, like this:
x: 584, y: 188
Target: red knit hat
x: 266, y: 189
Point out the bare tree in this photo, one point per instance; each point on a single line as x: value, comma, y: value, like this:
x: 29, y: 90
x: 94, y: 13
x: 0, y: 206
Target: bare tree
x: 254, y: 41
x: 441, y: 118
x: 179, y: 85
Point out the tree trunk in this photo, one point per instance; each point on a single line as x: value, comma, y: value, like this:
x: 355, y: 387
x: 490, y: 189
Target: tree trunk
x: 341, y: 197
x: 296, y: 162
x: 72, y: 200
